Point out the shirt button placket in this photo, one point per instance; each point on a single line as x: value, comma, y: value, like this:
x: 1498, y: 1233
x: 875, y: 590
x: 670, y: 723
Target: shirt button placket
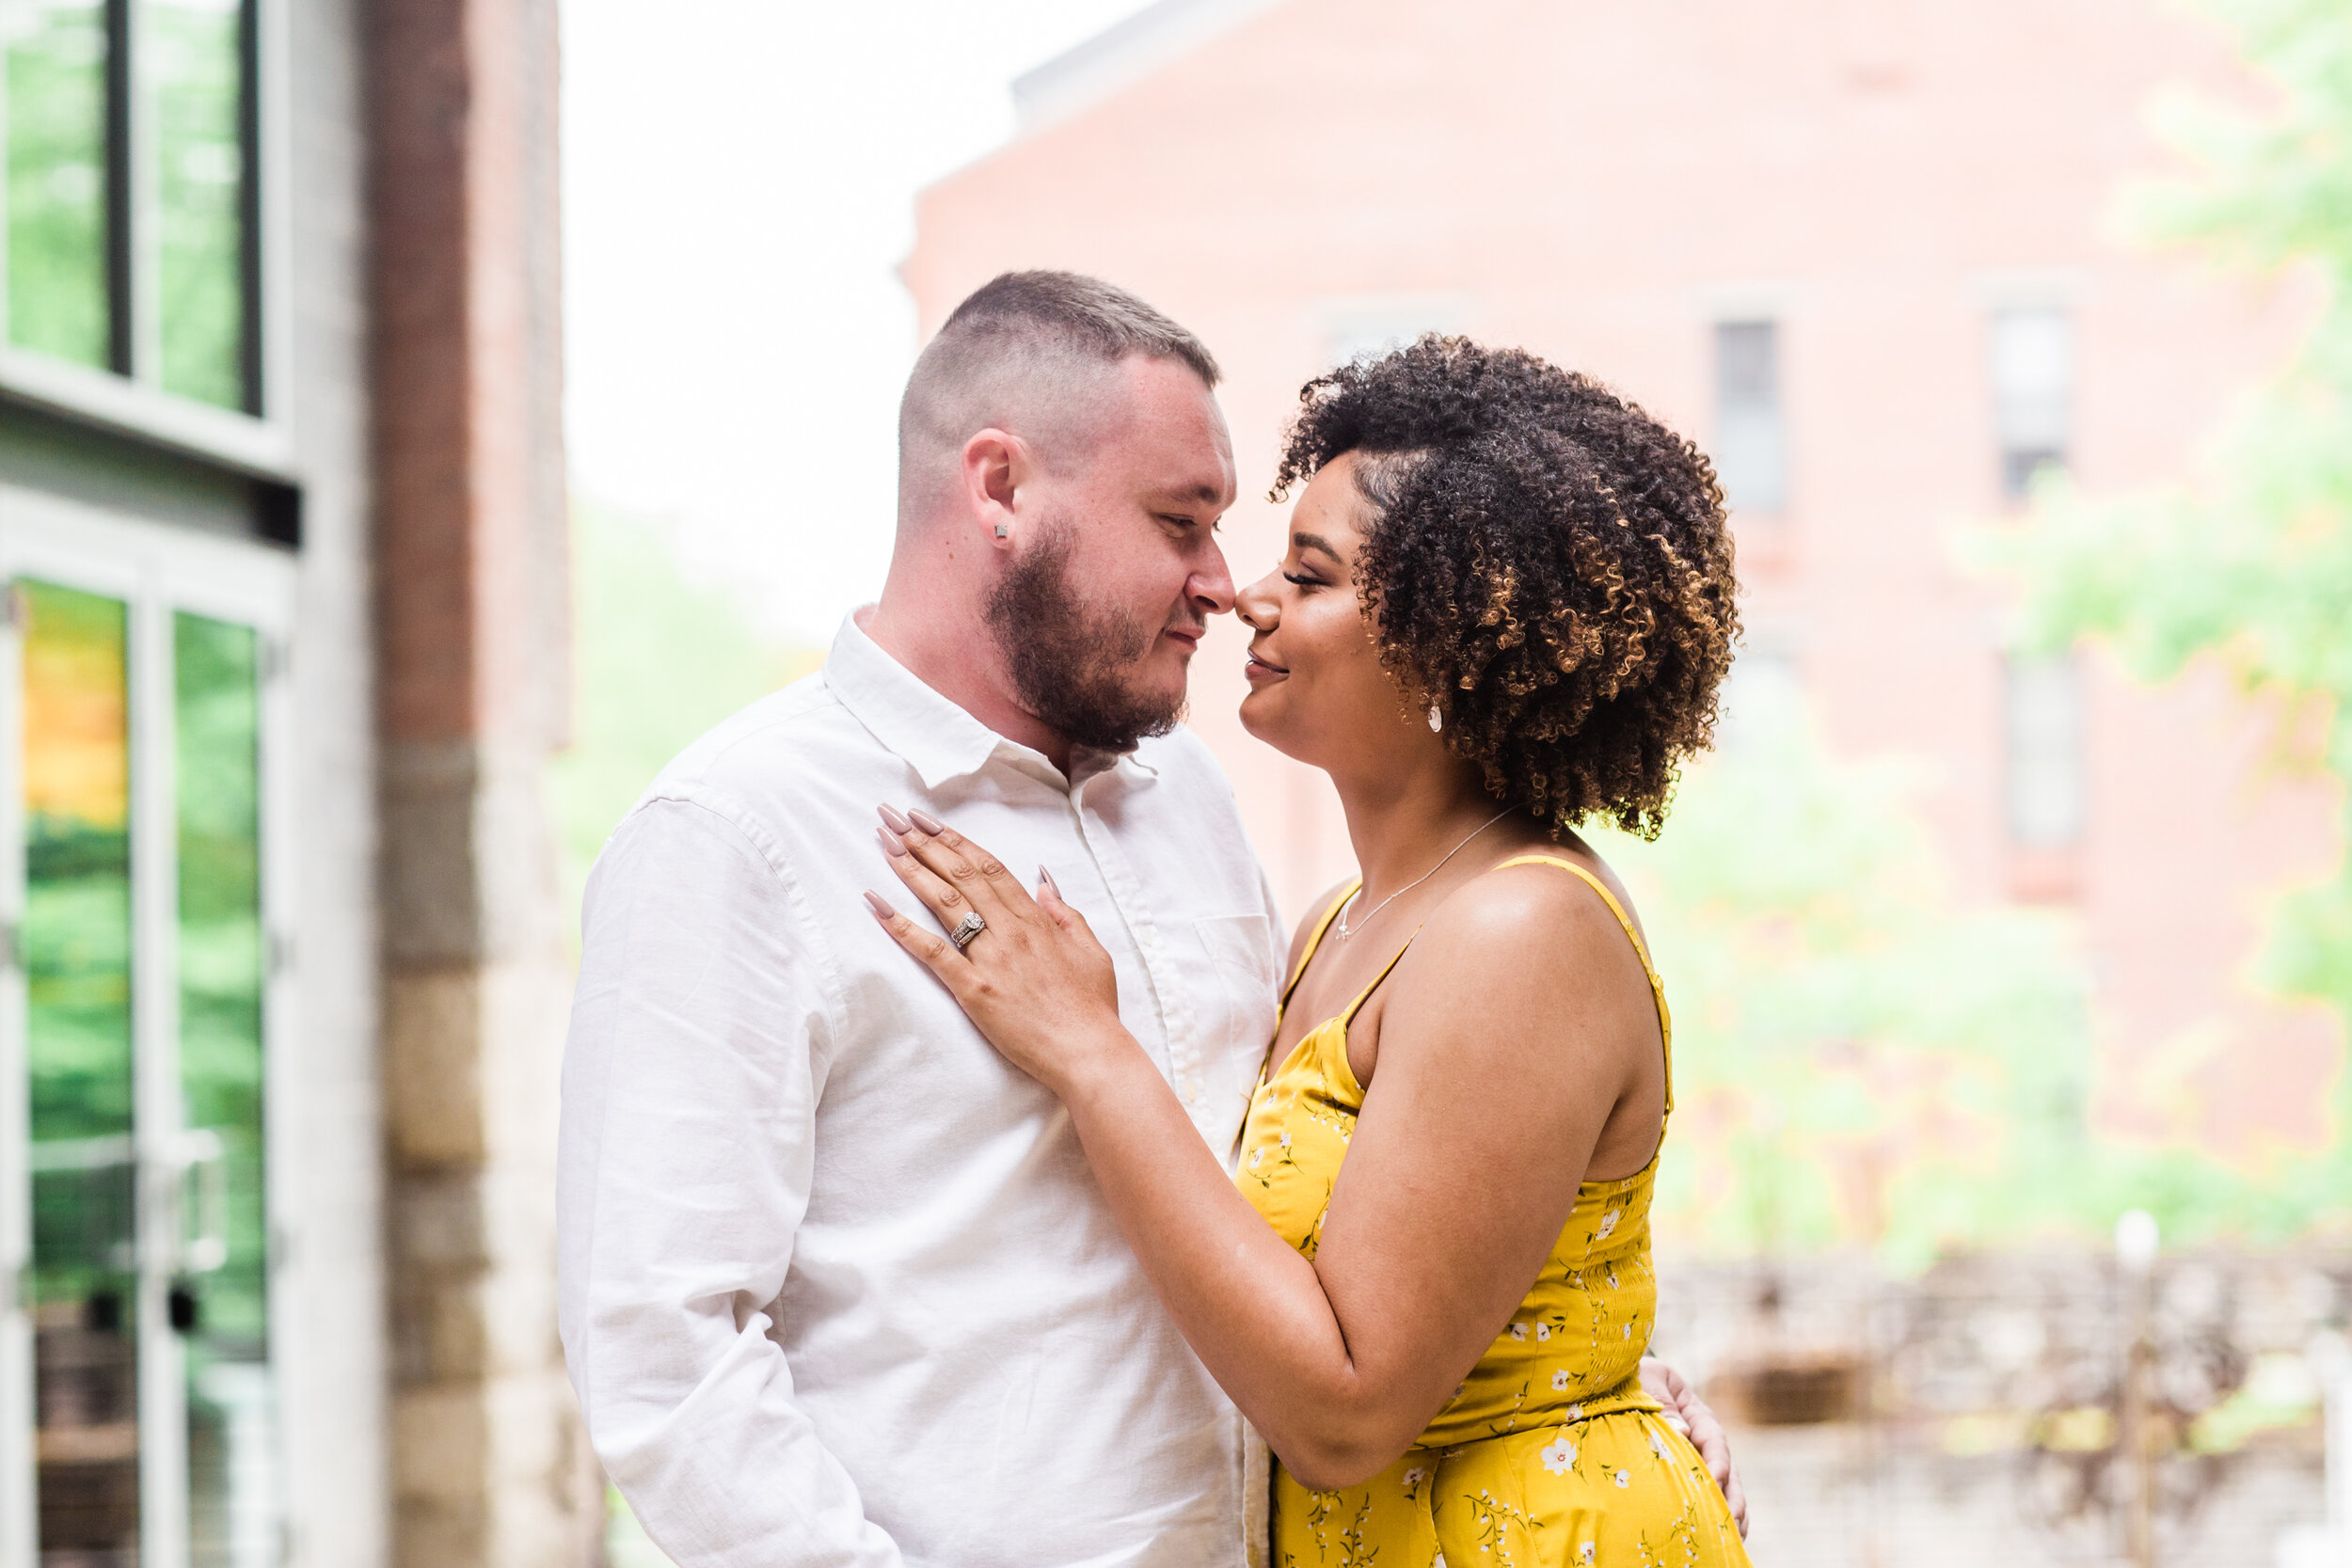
x: 1175, y: 1054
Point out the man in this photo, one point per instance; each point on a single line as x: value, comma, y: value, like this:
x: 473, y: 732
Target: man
x: 837, y: 1285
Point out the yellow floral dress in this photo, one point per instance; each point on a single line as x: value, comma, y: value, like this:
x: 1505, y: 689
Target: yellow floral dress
x: 1548, y: 1454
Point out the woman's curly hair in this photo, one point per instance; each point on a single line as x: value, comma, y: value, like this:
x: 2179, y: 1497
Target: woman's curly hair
x: 1545, y: 563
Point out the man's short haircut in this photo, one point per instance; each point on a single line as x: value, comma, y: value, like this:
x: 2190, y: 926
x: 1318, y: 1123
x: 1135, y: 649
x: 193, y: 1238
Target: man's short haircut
x: 1031, y: 353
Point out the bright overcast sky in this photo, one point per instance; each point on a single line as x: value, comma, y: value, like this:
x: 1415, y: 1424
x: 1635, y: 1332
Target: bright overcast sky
x: 739, y: 184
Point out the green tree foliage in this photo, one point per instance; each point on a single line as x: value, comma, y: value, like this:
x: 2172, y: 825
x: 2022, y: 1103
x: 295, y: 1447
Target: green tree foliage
x: 2249, y: 565
x: 1860, y: 1058
x: 658, y: 662
x: 1864, y: 1058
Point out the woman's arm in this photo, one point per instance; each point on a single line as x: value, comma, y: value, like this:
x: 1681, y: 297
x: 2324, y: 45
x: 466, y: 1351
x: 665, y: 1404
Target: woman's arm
x: 1461, y: 1171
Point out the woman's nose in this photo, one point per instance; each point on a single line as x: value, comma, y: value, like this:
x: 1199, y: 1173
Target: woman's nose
x: 1259, y: 604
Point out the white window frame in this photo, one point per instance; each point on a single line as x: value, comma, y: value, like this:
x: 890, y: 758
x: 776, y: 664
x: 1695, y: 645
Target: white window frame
x: 260, y: 446
x: 157, y: 570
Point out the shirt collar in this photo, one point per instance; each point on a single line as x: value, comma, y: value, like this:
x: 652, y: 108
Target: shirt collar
x: 937, y: 738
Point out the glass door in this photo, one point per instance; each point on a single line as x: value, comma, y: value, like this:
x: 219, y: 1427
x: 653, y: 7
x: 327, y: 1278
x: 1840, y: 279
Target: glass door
x: 137, y: 1409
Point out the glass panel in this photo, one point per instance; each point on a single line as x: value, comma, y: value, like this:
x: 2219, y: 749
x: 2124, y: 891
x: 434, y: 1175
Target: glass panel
x: 2045, y: 752
x: 1751, y: 447
x: 77, y: 935
x: 194, y: 58
x: 223, y: 1301
x: 57, y: 216
x: 2033, y: 391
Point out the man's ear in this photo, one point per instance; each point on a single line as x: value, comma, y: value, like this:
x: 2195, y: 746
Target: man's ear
x: 995, y: 464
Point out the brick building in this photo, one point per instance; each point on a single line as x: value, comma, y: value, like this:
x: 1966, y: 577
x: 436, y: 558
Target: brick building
x: 1862, y: 250
x: 283, y: 985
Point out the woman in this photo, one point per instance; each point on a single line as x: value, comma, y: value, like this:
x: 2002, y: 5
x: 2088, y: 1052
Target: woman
x: 1505, y: 608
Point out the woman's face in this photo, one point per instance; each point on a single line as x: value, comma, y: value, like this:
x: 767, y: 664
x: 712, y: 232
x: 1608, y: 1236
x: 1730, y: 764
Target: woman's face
x: 1317, y: 691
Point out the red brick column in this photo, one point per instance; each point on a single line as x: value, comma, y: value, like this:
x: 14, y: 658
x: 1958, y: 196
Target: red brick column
x: 473, y: 642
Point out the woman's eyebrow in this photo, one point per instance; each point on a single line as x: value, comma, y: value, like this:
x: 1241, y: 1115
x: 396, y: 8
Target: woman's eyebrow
x: 1316, y: 542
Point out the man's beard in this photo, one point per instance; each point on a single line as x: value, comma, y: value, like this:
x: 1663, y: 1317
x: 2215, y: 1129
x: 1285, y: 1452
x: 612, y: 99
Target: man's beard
x: 1069, y: 659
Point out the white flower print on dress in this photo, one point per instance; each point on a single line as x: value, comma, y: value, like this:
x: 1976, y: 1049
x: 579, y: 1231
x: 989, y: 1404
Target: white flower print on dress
x: 1286, y: 1142
x: 1658, y: 1445
x: 1584, y: 1552
x: 1576, y: 1413
x: 1623, y: 1478
x: 1557, y: 1455
x: 1607, y: 1223
x: 1255, y: 1155
x: 1518, y: 1331
x: 1560, y: 1381
x: 1543, y: 1330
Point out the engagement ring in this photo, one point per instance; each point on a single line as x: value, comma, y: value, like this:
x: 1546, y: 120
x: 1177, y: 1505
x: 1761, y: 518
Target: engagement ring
x: 969, y: 926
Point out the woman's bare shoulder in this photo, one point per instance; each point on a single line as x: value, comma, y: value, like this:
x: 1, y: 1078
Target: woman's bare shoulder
x: 1534, y: 929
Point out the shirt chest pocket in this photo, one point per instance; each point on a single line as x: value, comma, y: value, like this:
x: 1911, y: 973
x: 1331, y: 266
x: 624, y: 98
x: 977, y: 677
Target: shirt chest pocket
x: 1238, y: 1015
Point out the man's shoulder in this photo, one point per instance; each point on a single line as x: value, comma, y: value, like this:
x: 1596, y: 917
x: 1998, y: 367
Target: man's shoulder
x: 764, y: 743
x: 746, y: 766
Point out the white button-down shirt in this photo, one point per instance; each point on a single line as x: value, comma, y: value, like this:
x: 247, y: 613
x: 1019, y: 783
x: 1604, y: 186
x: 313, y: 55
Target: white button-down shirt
x: 837, y: 1286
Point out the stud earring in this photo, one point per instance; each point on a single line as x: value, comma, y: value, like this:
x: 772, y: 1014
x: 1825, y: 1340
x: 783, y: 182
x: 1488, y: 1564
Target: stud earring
x: 1004, y: 531
x: 1437, y: 720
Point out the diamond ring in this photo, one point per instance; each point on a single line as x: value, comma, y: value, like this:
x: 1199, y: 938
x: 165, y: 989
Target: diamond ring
x: 969, y: 926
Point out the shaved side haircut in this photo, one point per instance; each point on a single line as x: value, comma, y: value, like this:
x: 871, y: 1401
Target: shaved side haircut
x: 1033, y: 353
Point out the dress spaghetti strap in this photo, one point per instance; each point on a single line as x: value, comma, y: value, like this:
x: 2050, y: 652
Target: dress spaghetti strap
x: 1641, y: 951
x: 1313, y: 942
x: 1365, y: 995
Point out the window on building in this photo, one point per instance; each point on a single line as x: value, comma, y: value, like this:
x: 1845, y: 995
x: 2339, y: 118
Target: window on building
x: 130, y: 205
x: 2033, y: 390
x: 2043, y: 719
x: 1763, y: 699
x: 1751, y: 437
x: 1370, y: 326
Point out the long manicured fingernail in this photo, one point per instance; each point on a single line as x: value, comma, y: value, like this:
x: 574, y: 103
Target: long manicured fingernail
x: 891, y: 815
x: 882, y: 910
x: 1048, y: 877
x: 926, y: 821
x: 890, y: 842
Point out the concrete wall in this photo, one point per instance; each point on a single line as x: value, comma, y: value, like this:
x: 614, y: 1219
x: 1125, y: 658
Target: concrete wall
x: 333, y: 1350
x: 1601, y: 183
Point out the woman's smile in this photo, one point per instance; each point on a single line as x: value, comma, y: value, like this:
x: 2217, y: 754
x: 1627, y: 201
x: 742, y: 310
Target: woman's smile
x: 1260, y: 669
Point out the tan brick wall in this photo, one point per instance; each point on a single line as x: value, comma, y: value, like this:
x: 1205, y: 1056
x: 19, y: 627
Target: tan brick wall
x: 487, y: 1457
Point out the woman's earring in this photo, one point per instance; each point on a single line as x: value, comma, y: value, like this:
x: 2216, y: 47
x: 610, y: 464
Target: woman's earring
x: 1437, y: 720
x: 1004, y: 531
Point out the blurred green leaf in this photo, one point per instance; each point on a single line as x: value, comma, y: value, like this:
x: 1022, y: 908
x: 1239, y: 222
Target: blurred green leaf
x: 658, y: 662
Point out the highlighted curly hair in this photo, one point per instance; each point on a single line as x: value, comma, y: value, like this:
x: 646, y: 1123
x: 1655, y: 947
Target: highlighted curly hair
x: 1544, y: 562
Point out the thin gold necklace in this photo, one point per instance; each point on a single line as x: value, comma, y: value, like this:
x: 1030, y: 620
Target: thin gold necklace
x: 1346, y: 931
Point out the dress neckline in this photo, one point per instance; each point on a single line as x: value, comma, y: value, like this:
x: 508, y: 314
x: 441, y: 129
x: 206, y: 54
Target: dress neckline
x: 1344, y: 1019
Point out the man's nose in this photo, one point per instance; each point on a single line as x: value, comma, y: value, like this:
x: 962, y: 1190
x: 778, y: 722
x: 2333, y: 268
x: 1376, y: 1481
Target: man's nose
x: 1212, y: 586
